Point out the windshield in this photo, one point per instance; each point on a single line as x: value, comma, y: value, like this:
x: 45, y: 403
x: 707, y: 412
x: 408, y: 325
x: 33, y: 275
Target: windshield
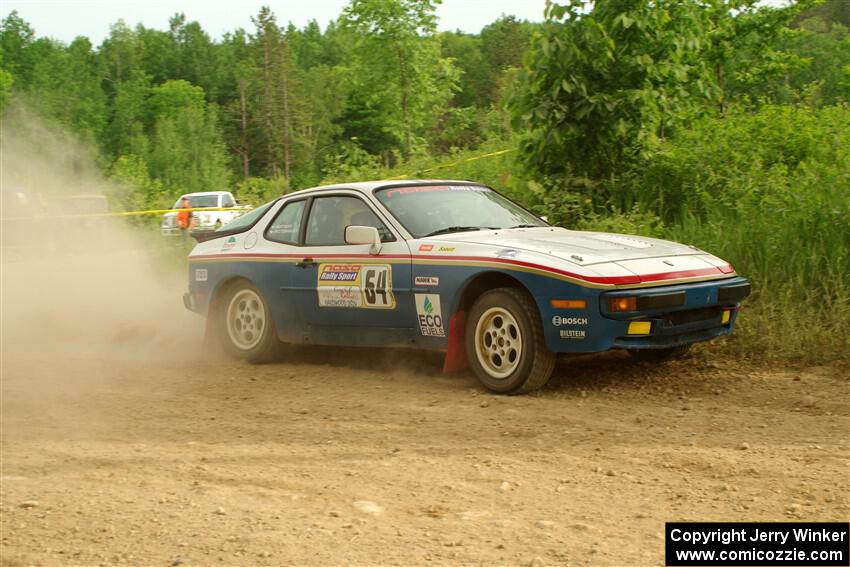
x: 246, y: 220
x: 441, y: 209
x: 199, y: 201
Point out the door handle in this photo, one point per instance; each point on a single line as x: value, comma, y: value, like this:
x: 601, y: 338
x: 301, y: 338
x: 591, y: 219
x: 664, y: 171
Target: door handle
x: 305, y: 263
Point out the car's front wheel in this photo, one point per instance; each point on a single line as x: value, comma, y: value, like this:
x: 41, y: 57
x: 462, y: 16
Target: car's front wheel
x: 504, y: 342
x: 245, y: 324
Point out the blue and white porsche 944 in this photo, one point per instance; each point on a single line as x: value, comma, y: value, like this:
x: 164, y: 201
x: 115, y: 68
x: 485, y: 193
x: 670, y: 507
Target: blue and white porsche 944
x: 453, y: 266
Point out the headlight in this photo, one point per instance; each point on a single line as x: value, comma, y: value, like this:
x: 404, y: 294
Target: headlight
x: 622, y: 304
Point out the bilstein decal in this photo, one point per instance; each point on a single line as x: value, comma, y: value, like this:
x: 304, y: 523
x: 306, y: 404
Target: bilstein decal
x: 572, y: 333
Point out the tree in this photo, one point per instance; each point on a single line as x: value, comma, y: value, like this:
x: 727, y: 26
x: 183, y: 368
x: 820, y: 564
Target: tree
x: 275, y: 83
x: 129, y: 118
x: 603, y: 84
x: 399, y: 77
x: 187, y: 153
x: 16, y: 40
x: 66, y: 86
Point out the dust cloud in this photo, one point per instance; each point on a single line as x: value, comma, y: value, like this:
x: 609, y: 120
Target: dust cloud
x: 81, y: 286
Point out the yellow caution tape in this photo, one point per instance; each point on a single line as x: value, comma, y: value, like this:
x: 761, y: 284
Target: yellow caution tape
x: 455, y: 163
x: 126, y: 213
x: 207, y: 209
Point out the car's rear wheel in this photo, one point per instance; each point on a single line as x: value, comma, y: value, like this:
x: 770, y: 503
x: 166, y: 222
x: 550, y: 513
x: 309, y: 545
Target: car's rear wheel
x: 659, y: 354
x: 504, y: 342
x: 245, y: 324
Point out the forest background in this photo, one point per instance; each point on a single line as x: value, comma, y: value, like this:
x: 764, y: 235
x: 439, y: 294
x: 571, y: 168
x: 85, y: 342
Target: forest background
x: 719, y: 123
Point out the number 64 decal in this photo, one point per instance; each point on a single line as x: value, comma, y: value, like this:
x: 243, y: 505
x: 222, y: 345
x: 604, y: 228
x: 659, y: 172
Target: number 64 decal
x: 377, y: 287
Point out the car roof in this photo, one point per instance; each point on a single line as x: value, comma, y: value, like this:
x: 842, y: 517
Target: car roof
x: 203, y: 193
x: 369, y: 186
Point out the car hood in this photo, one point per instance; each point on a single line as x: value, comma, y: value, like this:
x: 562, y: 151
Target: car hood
x: 578, y: 247
x: 600, y: 252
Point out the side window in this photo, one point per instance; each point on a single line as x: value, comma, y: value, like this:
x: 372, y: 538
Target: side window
x: 227, y: 201
x: 286, y: 226
x: 330, y: 215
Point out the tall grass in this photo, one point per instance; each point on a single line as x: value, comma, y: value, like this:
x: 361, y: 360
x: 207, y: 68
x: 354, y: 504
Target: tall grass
x: 767, y: 190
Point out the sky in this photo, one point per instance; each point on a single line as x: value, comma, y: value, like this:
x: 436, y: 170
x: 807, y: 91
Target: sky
x: 66, y: 19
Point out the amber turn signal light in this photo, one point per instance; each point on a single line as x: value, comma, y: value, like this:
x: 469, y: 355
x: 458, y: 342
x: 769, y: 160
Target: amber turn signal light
x: 568, y: 303
x: 622, y: 304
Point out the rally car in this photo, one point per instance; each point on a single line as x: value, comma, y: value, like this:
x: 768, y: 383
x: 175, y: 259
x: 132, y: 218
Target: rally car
x: 453, y: 266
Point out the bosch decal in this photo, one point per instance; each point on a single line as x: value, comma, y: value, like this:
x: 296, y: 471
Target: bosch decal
x: 559, y: 321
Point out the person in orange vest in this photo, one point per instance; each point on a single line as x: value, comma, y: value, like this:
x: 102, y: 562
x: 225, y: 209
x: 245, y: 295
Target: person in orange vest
x: 184, y: 217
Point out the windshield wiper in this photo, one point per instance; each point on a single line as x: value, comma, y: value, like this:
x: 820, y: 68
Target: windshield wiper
x: 526, y: 226
x: 453, y: 229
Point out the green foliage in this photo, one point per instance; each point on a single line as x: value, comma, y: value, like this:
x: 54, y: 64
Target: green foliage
x: 721, y: 123
x: 258, y: 190
x: 6, y: 81
x: 187, y: 153
x: 400, y: 81
x: 770, y: 192
x: 172, y: 97
x: 137, y: 191
x: 602, y: 86
x: 65, y: 85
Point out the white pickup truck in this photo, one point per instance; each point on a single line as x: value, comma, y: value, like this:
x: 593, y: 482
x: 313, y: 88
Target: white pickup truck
x: 203, y: 221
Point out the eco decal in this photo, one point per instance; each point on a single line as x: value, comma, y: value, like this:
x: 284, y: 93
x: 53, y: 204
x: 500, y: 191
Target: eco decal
x: 357, y: 286
x: 430, y: 315
x: 426, y: 281
x: 201, y: 275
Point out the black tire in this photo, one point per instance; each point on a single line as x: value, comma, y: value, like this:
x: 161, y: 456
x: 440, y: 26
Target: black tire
x: 532, y: 363
x: 244, y: 324
x: 659, y: 354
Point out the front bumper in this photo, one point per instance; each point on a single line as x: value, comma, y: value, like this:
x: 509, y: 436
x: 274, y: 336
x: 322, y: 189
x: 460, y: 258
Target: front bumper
x: 674, y: 315
x: 679, y: 315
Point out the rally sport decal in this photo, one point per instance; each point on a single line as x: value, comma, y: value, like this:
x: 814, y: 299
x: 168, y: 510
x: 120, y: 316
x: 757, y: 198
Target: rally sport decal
x: 358, y: 286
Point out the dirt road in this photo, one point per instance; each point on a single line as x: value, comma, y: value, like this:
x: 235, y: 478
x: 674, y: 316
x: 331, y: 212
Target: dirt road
x: 371, y: 458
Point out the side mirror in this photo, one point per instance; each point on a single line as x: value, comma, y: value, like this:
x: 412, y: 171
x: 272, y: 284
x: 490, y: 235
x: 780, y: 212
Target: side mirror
x: 544, y: 218
x: 364, y: 235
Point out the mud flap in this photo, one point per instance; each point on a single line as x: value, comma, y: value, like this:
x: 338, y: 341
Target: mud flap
x: 211, y: 339
x: 455, y: 360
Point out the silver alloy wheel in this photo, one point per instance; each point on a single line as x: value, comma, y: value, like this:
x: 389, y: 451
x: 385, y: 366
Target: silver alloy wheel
x: 246, y: 319
x: 498, y: 342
